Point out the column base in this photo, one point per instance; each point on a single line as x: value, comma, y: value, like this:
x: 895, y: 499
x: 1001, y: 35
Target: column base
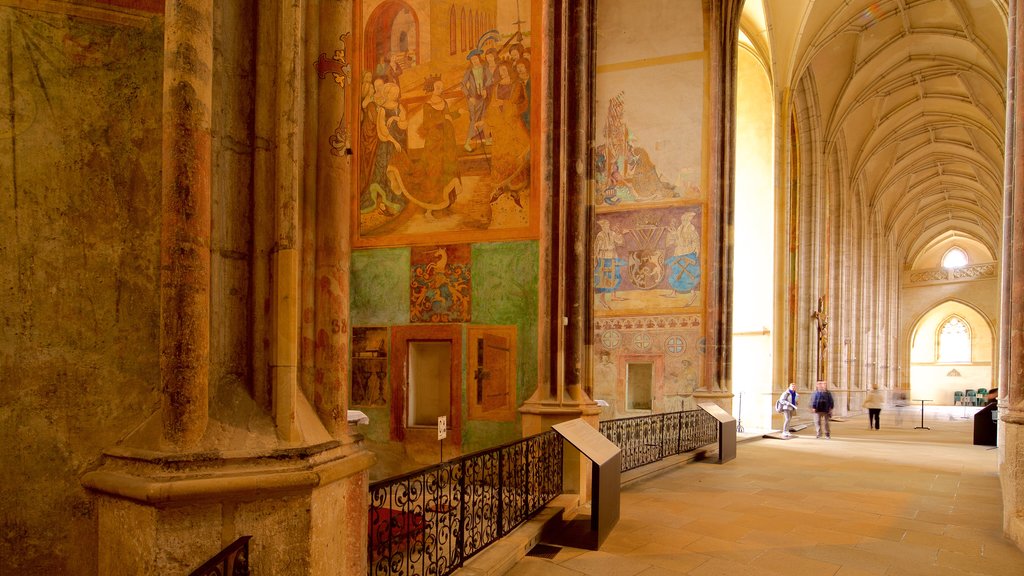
x: 305, y: 508
x: 1011, y: 474
x: 540, y: 415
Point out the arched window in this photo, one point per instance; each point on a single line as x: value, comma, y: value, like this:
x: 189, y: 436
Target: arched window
x: 954, y: 340
x: 955, y: 257
x: 453, y: 29
x: 465, y: 32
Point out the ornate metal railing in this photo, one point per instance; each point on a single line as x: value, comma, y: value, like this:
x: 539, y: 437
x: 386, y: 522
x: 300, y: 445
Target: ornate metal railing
x: 431, y: 521
x: 231, y: 561
x: 647, y: 439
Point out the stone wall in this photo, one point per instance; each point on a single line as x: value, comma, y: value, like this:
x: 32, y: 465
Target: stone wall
x: 80, y: 221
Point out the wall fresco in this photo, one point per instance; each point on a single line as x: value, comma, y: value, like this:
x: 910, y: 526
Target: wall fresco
x: 647, y: 260
x: 445, y: 100
x: 673, y: 342
x: 440, y: 284
x: 369, y: 366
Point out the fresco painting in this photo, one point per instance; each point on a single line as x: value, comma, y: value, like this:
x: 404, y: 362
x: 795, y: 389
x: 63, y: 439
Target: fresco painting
x: 647, y: 260
x: 369, y: 366
x: 672, y: 338
x: 444, y: 141
x: 440, y: 288
x: 639, y: 156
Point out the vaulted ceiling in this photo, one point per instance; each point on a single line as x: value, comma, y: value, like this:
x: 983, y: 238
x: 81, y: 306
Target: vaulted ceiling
x: 911, y: 102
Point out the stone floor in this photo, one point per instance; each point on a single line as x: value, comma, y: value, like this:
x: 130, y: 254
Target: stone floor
x: 896, y: 501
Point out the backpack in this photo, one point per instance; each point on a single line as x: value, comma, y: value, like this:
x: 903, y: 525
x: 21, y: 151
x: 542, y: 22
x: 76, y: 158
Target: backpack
x: 778, y: 406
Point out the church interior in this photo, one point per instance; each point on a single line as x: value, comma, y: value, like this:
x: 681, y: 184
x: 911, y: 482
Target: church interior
x: 253, y: 251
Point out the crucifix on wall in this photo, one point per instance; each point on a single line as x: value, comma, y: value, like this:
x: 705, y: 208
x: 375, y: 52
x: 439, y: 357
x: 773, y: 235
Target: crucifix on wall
x: 821, y: 318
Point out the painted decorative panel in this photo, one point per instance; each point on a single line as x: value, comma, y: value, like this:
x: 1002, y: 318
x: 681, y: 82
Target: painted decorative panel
x: 647, y: 260
x: 440, y: 285
x: 369, y: 366
x: 445, y: 121
x: 673, y: 342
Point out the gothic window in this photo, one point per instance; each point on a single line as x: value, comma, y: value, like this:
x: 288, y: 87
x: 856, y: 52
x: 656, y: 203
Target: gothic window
x: 955, y: 257
x: 955, y: 340
x: 453, y: 29
x: 465, y: 32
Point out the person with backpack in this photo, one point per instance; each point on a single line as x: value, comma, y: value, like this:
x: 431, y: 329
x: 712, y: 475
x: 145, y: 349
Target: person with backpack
x: 822, y: 404
x: 786, y: 405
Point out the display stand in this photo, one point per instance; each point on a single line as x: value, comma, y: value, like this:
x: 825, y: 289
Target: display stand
x: 606, y: 459
x: 726, y: 431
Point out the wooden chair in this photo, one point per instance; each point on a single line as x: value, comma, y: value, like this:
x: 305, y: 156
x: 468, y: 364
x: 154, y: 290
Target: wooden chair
x: 982, y: 392
x: 958, y: 398
x: 971, y: 397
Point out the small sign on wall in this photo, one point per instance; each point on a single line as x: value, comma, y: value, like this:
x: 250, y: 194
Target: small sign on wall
x: 442, y: 427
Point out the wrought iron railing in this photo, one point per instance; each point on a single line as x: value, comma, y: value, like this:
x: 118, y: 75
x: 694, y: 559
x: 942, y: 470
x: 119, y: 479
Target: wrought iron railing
x: 432, y: 520
x: 646, y: 439
x: 231, y: 561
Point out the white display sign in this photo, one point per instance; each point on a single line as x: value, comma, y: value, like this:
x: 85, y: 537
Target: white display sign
x: 442, y: 427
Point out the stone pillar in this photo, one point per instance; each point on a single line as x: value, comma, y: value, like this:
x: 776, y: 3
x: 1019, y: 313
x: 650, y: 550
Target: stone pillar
x: 570, y: 56
x: 1011, y: 387
x: 185, y: 233
x: 333, y: 243
x: 724, y: 18
x: 284, y: 259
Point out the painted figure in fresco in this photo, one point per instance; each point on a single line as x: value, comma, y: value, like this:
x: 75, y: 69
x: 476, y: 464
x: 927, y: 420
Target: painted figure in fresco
x: 522, y: 97
x: 476, y: 85
x: 371, y: 96
x: 684, y: 264
x: 390, y: 128
x: 438, y: 172
x: 625, y: 172
x: 510, y: 157
x: 607, y: 276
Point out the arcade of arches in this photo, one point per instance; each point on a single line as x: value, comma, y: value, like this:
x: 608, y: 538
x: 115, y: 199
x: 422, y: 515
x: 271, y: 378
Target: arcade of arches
x: 230, y: 229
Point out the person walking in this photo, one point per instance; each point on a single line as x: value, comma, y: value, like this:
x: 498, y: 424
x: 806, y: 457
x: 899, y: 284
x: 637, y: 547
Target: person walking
x: 873, y: 402
x: 787, y: 406
x: 822, y: 404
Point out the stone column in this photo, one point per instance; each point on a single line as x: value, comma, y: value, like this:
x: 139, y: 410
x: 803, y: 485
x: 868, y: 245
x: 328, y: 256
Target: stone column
x: 333, y: 244
x: 1011, y: 387
x: 724, y: 18
x: 185, y: 233
x: 284, y: 259
x: 578, y: 257
x: 569, y: 54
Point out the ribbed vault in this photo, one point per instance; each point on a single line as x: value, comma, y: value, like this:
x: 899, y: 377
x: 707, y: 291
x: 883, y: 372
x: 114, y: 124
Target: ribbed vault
x: 911, y: 102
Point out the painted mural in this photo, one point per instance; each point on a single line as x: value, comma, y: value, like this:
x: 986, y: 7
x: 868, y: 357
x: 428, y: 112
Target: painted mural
x: 647, y: 260
x: 673, y: 343
x: 339, y: 70
x: 445, y: 101
x: 369, y: 366
x: 624, y: 171
x: 440, y: 286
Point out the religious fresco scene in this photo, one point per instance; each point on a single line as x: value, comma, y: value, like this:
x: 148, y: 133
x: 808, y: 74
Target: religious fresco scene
x: 369, y: 366
x: 444, y: 121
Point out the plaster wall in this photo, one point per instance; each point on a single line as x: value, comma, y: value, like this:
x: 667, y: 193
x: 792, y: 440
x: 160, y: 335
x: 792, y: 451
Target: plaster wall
x: 504, y: 279
x: 651, y: 150
x: 80, y: 217
x: 916, y: 301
